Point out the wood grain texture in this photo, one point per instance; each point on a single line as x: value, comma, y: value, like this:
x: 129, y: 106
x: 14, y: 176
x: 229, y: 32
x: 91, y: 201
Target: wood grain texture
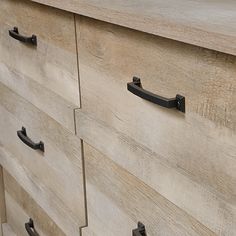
x: 24, y: 201
x: 209, y: 24
x: 117, y: 201
x: 50, y: 177
x: 27, y: 180
x: 17, y: 217
x: 7, y: 230
x: 201, y: 143
x: 180, y: 188
x: 47, y: 75
x: 2, y: 202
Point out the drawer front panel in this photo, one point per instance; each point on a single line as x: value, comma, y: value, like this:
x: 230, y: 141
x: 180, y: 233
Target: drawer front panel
x: 20, y: 207
x: 46, y: 74
x: 209, y: 207
x: 7, y: 230
x: 198, y: 144
x: 117, y: 201
x: 54, y: 178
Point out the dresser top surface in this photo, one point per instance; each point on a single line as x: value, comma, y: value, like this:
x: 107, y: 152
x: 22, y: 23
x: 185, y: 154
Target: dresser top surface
x: 206, y: 23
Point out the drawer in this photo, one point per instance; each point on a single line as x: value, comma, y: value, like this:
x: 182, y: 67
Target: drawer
x: 53, y: 178
x: 117, y: 201
x: 46, y: 74
x: 196, y: 148
x: 7, y: 230
x: 20, y: 207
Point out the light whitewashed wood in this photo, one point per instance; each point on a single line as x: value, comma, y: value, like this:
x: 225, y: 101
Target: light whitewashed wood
x: 29, y: 208
x: 206, y: 23
x: 32, y: 187
x: 201, y: 143
x: 54, y: 179
x: 46, y: 75
x: 2, y: 202
x: 117, y: 201
x: 7, y: 230
x: 40, y: 96
x: 195, y: 198
x: 17, y: 217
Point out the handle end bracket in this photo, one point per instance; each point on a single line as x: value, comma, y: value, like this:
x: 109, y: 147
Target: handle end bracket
x: 180, y: 103
x: 140, y: 231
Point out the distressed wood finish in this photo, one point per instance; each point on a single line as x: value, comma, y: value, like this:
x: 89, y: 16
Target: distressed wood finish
x: 47, y: 75
x: 17, y: 217
x: 199, y: 145
x: 209, y: 24
x: 54, y: 179
x: 117, y: 201
x: 18, y: 198
x: 176, y: 185
x: 7, y: 230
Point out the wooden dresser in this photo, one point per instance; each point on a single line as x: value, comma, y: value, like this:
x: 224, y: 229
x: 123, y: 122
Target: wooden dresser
x: 117, y: 118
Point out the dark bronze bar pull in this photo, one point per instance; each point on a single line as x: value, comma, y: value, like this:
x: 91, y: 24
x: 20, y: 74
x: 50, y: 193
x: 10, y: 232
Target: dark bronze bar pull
x: 140, y: 231
x: 135, y: 87
x: 26, y: 140
x: 29, y: 226
x: 16, y: 35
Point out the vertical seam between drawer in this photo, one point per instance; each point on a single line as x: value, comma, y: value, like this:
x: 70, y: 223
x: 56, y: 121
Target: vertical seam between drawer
x: 3, y: 212
x: 77, y: 59
x: 84, y: 186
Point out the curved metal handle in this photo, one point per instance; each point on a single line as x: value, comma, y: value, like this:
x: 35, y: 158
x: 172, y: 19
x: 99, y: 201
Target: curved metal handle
x: 25, y: 139
x: 140, y: 231
x: 30, y: 228
x: 29, y: 40
x: 135, y: 87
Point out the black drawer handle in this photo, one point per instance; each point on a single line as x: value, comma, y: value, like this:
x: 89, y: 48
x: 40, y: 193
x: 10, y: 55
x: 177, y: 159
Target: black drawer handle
x: 135, y: 87
x: 30, y: 228
x: 140, y: 231
x: 29, y: 40
x: 25, y: 139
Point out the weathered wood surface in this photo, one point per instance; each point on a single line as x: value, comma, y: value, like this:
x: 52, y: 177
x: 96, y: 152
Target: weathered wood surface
x: 46, y: 75
x: 28, y: 207
x: 180, y: 188
x: 198, y: 147
x: 209, y: 24
x: 7, y: 230
x: 117, y: 201
x: 50, y: 178
x: 17, y: 217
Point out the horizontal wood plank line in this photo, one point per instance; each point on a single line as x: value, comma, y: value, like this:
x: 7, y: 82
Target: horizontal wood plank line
x: 129, y: 200
x: 209, y: 208
x: 208, y: 24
